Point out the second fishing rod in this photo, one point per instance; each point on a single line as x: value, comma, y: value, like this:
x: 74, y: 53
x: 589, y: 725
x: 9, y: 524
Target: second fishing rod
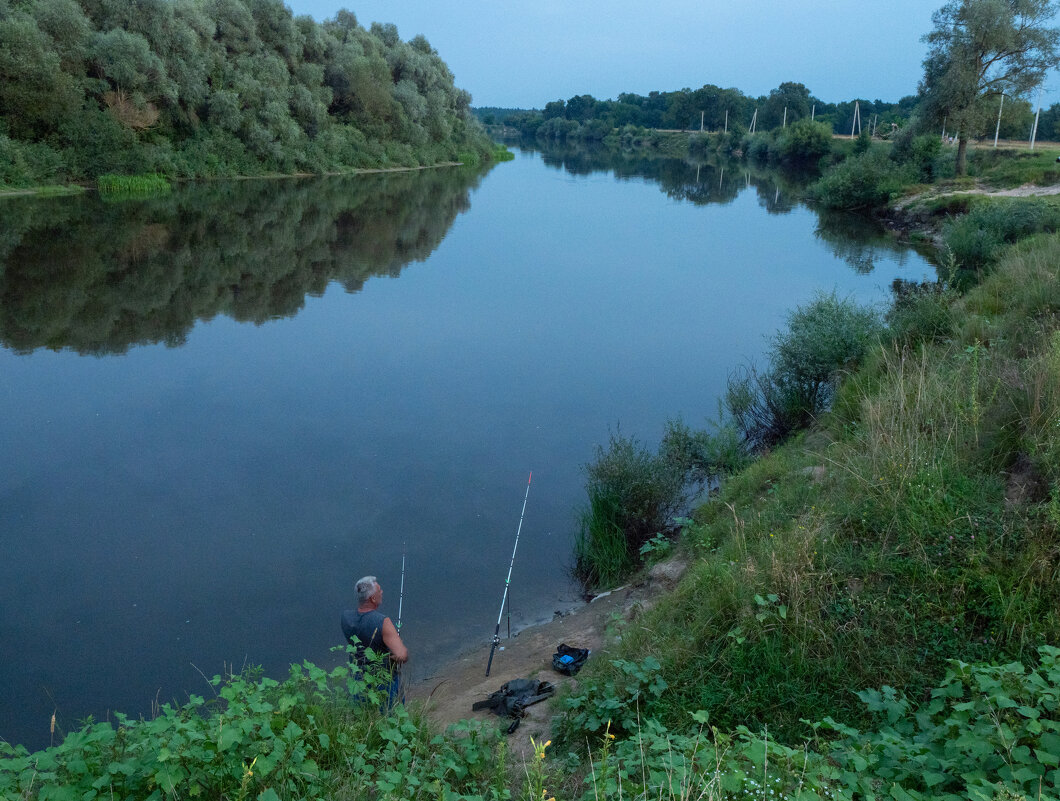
x: 508, y: 580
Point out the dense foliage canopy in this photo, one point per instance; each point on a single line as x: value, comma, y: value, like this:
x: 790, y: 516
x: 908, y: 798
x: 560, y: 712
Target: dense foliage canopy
x: 980, y: 49
x: 216, y: 87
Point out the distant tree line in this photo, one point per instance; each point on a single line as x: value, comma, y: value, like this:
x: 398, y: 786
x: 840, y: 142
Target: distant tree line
x: 585, y: 118
x: 217, y: 87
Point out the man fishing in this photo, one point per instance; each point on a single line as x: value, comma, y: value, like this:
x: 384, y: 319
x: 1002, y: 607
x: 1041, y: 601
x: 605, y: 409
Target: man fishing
x: 368, y: 629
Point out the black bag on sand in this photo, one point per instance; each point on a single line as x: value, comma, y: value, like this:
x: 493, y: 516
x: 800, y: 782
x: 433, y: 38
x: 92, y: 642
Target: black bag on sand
x: 514, y: 696
x: 568, y: 659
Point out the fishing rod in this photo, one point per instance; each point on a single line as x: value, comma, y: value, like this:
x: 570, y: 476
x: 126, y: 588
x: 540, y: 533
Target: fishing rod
x: 401, y: 595
x: 507, y: 581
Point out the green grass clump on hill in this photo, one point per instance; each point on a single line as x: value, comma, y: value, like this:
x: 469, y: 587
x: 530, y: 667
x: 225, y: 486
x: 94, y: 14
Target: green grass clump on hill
x: 976, y: 239
x: 133, y: 185
x: 918, y: 524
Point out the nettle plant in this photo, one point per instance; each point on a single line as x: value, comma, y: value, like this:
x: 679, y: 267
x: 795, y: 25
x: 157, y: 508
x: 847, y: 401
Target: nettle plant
x: 987, y: 729
x: 317, y: 734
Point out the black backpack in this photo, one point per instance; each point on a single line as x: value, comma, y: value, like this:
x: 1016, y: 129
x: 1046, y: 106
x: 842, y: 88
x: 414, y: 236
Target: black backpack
x: 568, y: 659
x: 513, y: 697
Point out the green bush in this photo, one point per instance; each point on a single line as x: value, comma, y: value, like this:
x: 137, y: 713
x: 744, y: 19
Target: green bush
x: 24, y: 164
x: 804, y: 143
x: 986, y: 732
x: 921, y: 312
x: 865, y: 181
x: 822, y: 340
x: 863, y: 142
x: 975, y: 239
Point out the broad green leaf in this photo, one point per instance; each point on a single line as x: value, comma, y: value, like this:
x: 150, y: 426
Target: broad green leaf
x: 1047, y: 758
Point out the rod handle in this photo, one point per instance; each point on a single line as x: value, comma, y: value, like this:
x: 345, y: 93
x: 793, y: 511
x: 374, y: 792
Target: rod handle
x: 489, y: 664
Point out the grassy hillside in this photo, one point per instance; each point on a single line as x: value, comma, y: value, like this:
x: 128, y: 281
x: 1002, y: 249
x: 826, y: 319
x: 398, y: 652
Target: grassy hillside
x: 917, y: 522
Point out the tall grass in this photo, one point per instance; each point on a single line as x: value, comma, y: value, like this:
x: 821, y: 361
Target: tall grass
x: 148, y: 184
x: 636, y: 497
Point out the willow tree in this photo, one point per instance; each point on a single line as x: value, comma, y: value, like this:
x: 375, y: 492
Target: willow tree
x: 978, y: 50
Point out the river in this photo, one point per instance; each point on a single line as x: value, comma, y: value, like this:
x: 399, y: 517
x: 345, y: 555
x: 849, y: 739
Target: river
x: 221, y: 407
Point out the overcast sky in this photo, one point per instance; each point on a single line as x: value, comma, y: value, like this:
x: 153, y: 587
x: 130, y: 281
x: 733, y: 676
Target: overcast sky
x: 526, y: 54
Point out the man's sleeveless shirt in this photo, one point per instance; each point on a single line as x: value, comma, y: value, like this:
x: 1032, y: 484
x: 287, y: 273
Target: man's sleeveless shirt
x: 367, y: 627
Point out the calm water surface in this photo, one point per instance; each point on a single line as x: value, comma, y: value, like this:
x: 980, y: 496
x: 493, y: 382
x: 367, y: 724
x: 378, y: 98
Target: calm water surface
x: 221, y: 408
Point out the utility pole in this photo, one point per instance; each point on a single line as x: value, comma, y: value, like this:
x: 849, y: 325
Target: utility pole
x: 785, y: 123
x: 1034, y: 130
x: 997, y: 130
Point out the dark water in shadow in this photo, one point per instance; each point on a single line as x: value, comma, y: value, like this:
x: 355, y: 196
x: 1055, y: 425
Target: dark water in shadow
x: 218, y: 409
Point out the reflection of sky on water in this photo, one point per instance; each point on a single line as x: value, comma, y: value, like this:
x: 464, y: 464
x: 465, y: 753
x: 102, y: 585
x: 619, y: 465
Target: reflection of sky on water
x: 211, y: 505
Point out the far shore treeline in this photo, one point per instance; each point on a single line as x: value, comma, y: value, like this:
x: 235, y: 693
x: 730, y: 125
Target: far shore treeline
x: 585, y: 118
x: 192, y: 88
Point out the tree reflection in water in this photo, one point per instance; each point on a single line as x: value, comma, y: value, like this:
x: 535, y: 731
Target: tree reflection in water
x: 99, y: 277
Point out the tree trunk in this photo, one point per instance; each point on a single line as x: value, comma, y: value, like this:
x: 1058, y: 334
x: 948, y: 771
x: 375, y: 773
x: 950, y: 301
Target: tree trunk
x: 962, y: 156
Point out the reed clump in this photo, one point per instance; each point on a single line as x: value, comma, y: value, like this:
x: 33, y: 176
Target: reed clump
x: 133, y: 185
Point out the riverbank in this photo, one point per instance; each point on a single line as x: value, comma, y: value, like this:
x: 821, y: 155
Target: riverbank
x: 448, y: 695
x: 49, y: 190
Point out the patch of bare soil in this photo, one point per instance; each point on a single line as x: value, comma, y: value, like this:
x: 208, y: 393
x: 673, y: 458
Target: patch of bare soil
x: 1027, y: 190
x: 447, y: 697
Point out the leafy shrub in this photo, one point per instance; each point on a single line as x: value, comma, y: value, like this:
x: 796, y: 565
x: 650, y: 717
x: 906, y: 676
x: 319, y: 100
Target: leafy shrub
x: 863, y: 142
x: 822, y: 340
x: 757, y: 146
x: 826, y: 336
x: 864, y: 181
x: 987, y: 732
x: 985, y: 728
x: 613, y: 703
x: 925, y: 151
x: 975, y: 239
x: 24, y: 164
x: 804, y: 142
x: 921, y: 312
x: 703, y: 456
x: 306, y: 737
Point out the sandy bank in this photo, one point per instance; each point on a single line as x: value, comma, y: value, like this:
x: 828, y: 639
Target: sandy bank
x: 448, y: 695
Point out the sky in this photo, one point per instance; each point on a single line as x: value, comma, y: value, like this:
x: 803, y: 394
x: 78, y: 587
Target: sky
x: 527, y: 54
